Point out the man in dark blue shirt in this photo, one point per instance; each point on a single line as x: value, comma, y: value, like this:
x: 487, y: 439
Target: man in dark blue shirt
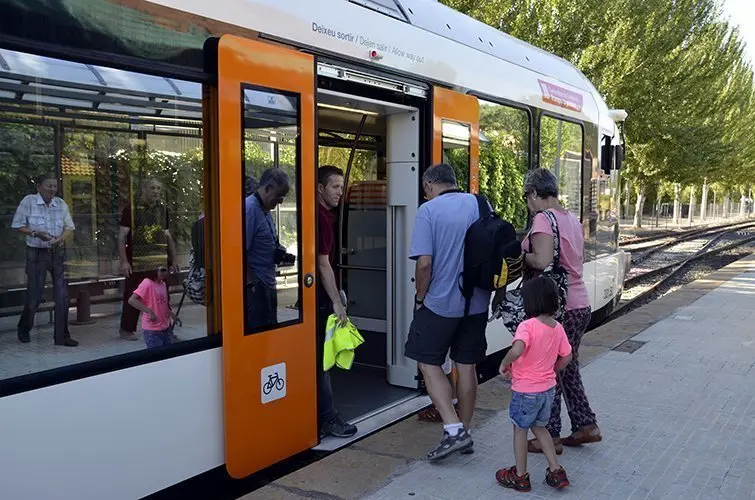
x: 263, y: 251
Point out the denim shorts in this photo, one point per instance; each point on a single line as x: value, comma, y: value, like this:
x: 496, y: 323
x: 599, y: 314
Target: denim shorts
x: 529, y: 409
x: 157, y: 338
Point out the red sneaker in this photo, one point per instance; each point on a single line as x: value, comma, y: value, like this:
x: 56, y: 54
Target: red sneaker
x: 556, y: 479
x: 508, y: 478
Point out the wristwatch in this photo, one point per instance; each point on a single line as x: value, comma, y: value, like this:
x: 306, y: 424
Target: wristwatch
x: 418, y: 301
x: 33, y: 234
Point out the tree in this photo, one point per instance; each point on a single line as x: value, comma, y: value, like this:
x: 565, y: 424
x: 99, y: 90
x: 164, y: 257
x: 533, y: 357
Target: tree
x: 673, y: 64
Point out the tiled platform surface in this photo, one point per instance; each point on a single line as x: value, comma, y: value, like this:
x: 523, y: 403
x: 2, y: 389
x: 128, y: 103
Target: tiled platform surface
x: 677, y: 415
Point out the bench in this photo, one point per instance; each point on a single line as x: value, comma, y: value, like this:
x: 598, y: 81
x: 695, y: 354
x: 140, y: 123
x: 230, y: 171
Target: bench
x: 12, y: 300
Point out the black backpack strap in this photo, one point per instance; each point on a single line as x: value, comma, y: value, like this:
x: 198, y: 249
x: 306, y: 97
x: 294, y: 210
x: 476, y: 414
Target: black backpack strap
x: 482, y: 206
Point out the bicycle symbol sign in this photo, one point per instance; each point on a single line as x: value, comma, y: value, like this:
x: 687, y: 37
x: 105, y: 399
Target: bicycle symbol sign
x: 273, y: 382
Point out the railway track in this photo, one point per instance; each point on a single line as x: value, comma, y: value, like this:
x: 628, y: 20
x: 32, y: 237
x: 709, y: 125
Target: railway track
x: 643, y: 251
x: 673, y: 235
x: 659, y: 270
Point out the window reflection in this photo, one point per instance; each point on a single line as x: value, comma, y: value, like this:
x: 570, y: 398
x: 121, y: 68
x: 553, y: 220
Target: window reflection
x: 271, y: 223
x: 561, y: 152
x: 456, y: 143
x: 121, y: 153
x: 504, y: 159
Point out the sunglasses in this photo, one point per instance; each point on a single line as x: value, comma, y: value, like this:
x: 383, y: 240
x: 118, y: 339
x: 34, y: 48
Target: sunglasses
x: 162, y: 269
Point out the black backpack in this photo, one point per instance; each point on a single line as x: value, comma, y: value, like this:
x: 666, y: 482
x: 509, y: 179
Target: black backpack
x: 492, y: 254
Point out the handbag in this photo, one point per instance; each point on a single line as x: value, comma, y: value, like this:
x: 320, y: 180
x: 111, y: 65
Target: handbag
x: 511, y: 309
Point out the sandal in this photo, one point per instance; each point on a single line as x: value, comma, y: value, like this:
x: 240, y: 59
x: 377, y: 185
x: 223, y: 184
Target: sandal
x: 534, y: 447
x: 586, y: 434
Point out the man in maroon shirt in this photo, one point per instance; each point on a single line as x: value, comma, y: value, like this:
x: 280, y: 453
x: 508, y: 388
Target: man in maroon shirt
x: 329, y: 191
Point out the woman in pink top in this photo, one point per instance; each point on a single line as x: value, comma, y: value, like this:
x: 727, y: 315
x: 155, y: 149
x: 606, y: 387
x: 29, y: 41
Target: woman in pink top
x: 152, y: 299
x: 541, y: 193
x: 540, y: 348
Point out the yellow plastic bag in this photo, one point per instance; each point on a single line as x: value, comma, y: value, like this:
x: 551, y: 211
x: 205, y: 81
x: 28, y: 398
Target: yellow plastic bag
x: 340, y: 342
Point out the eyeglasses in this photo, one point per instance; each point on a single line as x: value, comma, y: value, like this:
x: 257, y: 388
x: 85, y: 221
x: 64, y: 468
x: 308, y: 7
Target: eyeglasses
x: 162, y: 269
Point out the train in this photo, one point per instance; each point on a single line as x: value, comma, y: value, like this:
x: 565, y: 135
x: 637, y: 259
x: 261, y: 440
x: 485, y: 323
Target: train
x: 205, y: 96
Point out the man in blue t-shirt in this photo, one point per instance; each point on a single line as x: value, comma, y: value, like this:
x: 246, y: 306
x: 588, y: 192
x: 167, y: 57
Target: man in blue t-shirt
x: 263, y: 250
x: 439, y: 323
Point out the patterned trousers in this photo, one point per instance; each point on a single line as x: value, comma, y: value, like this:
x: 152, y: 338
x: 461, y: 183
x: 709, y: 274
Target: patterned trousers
x: 575, y: 323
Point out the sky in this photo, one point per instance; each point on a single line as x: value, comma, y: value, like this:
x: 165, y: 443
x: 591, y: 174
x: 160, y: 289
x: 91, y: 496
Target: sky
x: 742, y: 12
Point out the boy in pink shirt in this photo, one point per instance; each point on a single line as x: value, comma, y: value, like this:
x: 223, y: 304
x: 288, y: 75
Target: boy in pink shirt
x: 152, y: 299
x: 539, y: 350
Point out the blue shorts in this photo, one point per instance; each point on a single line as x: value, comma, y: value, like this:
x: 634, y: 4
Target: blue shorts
x: 529, y: 409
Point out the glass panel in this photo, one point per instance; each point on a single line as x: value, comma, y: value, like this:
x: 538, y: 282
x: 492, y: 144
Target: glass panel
x: 605, y: 207
x: 124, y: 28
x: 122, y: 185
x: 456, y: 142
x: 561, y: 152
x: 504, y: 159
x: 271, y: 222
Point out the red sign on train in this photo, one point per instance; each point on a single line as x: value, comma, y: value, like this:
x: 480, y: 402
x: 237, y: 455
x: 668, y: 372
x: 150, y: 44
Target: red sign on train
x: 559, y: 96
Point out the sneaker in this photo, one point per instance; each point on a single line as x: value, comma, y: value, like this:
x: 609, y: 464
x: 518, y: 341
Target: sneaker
x: 449, y: 444
x: 556, y: 479
x: 338, y: 428
x: 508, y: 478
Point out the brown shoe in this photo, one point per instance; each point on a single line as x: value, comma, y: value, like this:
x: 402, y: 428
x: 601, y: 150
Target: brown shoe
x: 587, y: 434
x: 69, y: 342
x: 534, y: 447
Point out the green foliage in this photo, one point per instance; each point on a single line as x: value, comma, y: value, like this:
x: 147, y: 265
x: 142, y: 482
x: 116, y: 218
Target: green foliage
x: 504, y: 151
x: 675, y: 65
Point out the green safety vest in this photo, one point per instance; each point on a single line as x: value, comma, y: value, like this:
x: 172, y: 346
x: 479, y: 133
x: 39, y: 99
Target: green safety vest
x: 340, y: 342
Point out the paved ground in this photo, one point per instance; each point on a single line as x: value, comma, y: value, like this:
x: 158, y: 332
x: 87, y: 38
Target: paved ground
x: 676, y: 415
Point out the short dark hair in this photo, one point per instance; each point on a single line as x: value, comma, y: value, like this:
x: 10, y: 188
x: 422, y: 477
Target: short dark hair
x: 540, y: 297
x: 325, y: 172
x: 46, y: 177
x: 273, y: 177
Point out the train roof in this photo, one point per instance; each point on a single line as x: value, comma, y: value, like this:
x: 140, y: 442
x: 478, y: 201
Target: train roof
x: 423, y: 38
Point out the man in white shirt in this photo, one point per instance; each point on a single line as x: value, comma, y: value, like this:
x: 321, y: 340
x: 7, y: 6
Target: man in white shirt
x: 46, y: 221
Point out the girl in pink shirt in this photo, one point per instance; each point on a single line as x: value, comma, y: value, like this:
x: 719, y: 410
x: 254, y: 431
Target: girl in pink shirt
x: 540, y: 349
x: 152, y: 299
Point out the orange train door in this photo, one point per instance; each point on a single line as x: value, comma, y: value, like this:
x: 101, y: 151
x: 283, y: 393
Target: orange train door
x: 456, y: 128
x: 266, y: 114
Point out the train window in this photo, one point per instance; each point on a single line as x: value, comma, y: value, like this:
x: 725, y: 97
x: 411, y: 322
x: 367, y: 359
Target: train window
x: 271, y: 202
x: 456, y: 144
x: 561, y: 151
x: 504, y: 159
x: 101, y: 191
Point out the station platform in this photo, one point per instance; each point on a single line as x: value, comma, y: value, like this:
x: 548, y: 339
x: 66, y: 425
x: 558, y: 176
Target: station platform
x: 673, y: 387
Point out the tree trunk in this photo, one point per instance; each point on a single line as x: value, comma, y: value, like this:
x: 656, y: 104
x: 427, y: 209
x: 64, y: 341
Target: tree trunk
x: 704, y: 206
x: 727, y: 202
x: 639, y: 207
x: 692, y: 202
x: 677, y: 204
x: 626, y: 200
x: 742, y: 205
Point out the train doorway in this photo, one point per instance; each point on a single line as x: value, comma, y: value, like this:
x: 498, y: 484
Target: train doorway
x: 377, y: 145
